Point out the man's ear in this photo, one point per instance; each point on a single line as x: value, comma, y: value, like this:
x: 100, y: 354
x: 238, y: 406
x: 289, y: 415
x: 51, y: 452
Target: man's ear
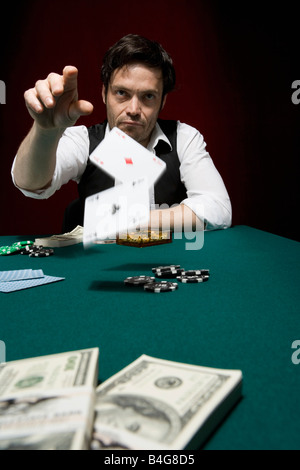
x: 103, y: 94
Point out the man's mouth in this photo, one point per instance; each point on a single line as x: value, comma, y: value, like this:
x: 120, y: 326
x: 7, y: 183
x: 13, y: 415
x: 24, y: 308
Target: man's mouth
x: 132, y: 123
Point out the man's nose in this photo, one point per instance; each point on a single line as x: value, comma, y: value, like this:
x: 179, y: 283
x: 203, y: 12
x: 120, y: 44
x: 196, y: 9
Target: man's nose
x: 134, y: 106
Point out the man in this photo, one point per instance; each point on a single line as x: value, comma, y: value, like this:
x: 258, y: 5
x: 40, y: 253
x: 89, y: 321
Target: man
x: 137, y: 75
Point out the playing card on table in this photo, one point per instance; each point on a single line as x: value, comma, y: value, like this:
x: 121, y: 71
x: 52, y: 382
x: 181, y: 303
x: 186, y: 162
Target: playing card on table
x: 20, y: 275
x: 11, y: 281
x: 125, y: 159
x: 116, y: 210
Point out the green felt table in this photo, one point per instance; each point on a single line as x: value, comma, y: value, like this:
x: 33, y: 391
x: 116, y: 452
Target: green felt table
x: 245, y: 317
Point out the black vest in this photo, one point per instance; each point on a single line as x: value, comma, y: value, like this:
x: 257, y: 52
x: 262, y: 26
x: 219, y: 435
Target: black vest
x: 168, y: 190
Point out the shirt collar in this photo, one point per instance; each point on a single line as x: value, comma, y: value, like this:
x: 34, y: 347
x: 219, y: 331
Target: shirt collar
x: 157, y: 135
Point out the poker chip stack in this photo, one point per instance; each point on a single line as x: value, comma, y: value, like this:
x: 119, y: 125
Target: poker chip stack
x: 37, y: 251
x: 175, y: 271
x: 26, y: 247
x: 15, y: 248
x: 196, y: 275
x: 168, y: 272
x: 150, y: 284
x: 162, y: 286
x: 138, y: 280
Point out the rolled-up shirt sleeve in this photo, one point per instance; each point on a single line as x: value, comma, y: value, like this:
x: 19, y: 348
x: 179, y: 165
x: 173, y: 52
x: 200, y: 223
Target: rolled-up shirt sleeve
x: 207, y: 196
x: 71, y: 158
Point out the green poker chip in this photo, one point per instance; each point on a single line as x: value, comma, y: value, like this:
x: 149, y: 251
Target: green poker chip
x: 14, y: 248
x: 23, y: 243
x: 8, y: 250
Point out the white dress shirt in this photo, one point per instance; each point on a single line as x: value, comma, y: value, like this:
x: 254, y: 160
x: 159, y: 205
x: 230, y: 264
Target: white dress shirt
x: 207, y: 196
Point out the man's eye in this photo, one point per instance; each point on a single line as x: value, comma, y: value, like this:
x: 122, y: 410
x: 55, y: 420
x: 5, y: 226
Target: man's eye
x: 150, y: 96
x: 120, y: 92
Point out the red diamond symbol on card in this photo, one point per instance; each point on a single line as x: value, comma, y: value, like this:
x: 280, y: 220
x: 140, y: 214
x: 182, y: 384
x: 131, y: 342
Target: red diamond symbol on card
x: 128, y: 161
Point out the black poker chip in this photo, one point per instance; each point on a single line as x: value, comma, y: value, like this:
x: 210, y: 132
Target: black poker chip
x: 41, y: 253
x: 138, y: 280
x: 171, y: 267
x: 169, y: 274
x: 26, y: 250
x: 36, y: 251
x: 193, y: 278
x: 162, y: 286
x: 195, y: 272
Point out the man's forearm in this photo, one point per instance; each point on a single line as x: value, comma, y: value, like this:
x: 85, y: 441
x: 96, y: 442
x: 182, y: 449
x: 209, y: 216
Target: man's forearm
x: 36, y: 158
x: 177, y: 219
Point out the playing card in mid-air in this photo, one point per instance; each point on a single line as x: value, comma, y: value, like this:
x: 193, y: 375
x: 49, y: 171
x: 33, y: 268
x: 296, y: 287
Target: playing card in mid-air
x: 116, y: 210
x: 125, y: 159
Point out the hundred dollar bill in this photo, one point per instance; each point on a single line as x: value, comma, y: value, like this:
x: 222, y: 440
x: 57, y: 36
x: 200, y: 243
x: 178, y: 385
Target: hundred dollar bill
x: 64, y: 239
x: 48, y: 402
x: 157, y: 404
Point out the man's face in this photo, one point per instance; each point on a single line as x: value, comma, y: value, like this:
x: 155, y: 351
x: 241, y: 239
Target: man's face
x: 134, y: 100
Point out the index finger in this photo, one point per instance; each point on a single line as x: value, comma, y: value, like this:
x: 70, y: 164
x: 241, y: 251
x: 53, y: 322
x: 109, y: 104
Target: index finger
x: 60, y: 83
x: 70, y: 74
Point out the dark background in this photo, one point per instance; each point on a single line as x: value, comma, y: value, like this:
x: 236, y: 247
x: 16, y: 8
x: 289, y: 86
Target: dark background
x: 235, y: 62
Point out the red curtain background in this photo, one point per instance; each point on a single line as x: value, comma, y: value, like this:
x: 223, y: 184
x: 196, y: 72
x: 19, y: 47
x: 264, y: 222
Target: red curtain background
x: 235, y: 64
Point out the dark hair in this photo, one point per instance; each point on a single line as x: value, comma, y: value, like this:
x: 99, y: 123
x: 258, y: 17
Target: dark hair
x: 135, y: 48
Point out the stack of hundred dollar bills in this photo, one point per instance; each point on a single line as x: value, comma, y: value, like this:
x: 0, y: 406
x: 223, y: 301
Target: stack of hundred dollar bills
x: 52, y: 402
x: 48, y: 402
x: 155, y: 404
x: 61, y: 240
